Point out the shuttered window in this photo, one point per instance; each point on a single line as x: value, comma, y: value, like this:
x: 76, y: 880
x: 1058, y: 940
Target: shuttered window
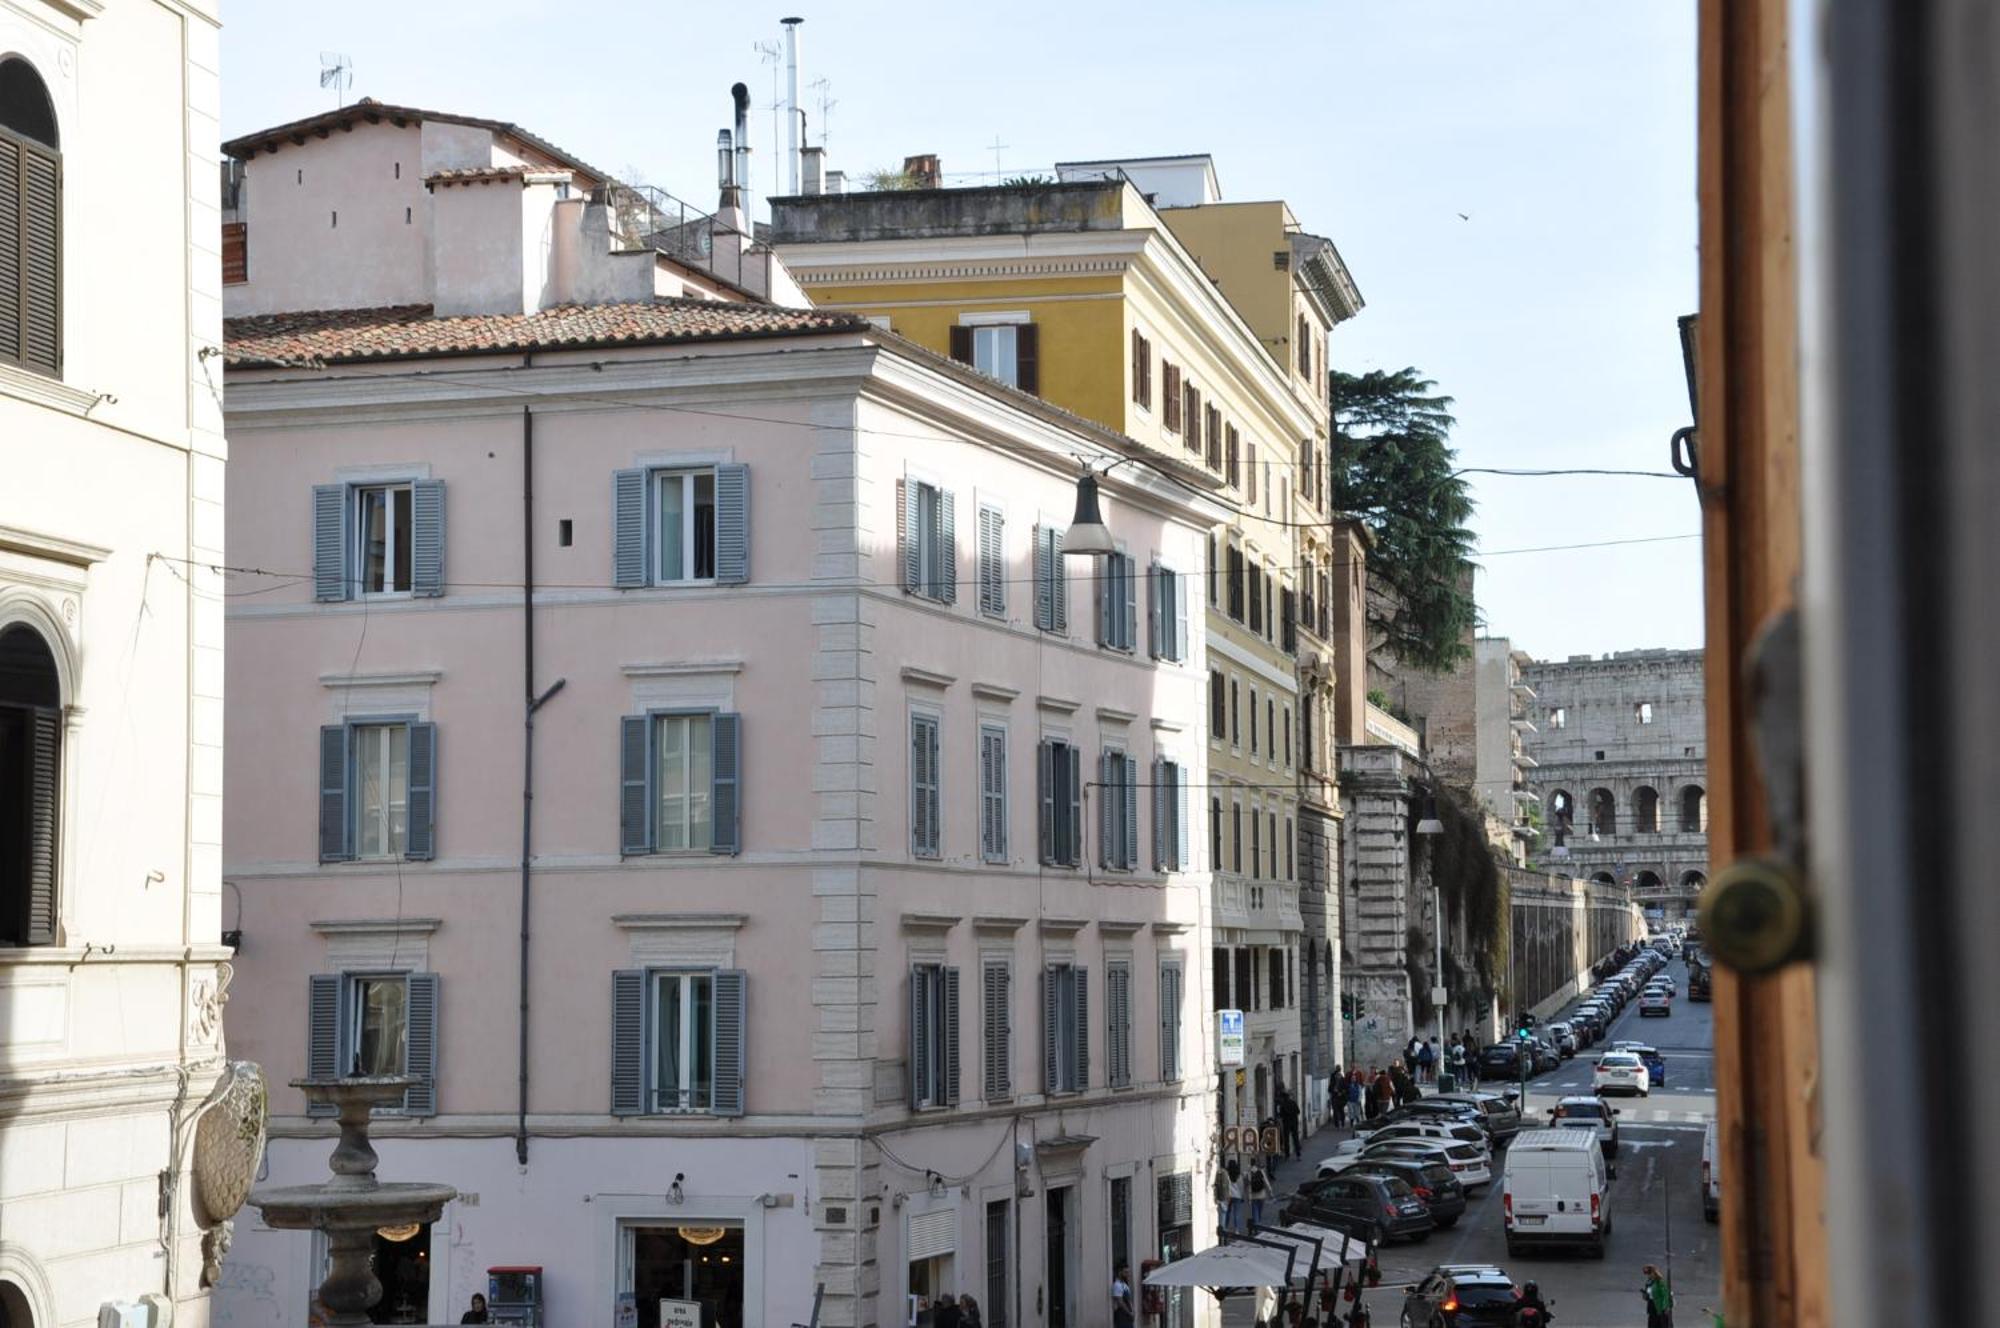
x: 1191, y: 416
x: 1065, y: 1028
x: 933, y: 1036
x: 1234, y: 583
x: 1171, y: 985
x: 925, y: 833
x: 235, y: 253
x: 1250, y: 461
x: 1118, y: 811
x: 378, y: 784
x: 1117, y: 602
x: 1166, y: 614
x: 1118, y: 1024
x: 993, y: 793
x: 382, y: 1023
x: 1142, y: 370
x: 1232, y: 454
x: 378, y: 539
x: 927, y: 540
x: 1170, y: 816
x: 1170, y: 400
x: 1218, y: 706
x: 1051, y: 581
x: 992, y: 562
x: 1010, y: 352
x: 680, y: 782
x: 31, y: 753
x: 996, y: 1019
x: 680, y: 526
x: 31, y: 248
x: 1059, y: 793
x: 678, y: 1042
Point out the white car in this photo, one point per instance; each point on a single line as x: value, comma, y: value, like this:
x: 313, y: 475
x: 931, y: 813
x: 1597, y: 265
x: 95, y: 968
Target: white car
x: 1453, y: 1130
x: 1469, y: 1165
x: 1588, y: 1113
x: 1620, y: 1072
x: 1654, y: 1001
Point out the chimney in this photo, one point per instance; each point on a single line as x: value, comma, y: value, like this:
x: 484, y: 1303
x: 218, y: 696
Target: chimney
x: 923, y: 169
x: 792, y: 112
x: 741, y: 96
x: 732, y: 166
x: 836, y: 182
x: 815, y: 171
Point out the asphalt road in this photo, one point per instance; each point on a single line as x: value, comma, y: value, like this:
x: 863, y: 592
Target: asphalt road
x: 1657, y: 1193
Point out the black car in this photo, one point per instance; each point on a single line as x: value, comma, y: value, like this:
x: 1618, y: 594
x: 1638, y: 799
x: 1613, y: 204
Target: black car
x: 1502, y: 1060
x: 1371, y: 1206
x: 1698, y: 982
x: 1501, y: 1112
x: 1432, y: 1181
x: 1461, y: 1295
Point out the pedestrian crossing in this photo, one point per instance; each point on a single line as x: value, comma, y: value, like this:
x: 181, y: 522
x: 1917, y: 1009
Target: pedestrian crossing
x: 1630, y: 1116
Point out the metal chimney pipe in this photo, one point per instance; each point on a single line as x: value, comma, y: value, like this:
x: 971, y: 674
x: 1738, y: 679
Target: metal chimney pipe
x: 792, y: 143
x: 725, y: 160
x: 741, y: 94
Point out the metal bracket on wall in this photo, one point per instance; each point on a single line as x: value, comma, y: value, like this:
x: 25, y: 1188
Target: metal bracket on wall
x: 1757, y: 914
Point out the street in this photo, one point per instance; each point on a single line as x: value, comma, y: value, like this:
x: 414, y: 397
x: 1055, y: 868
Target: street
x: 1655, y: 1196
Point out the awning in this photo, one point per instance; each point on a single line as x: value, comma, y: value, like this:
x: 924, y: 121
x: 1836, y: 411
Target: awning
x: 1334, y: 1247
x: 1226, y: 1265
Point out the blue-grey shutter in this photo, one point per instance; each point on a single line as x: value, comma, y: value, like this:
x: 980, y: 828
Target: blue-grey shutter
x: 427, y: 537
x: 420, y: 839
x: 333, y: 823
x: 1156, y: 623
x: 992, y: 562
x: 1118, y: 1022
x: 1103, y: 587
x: 1045, y: 789
x: 1128, y: 602
x: 1075, y: 853
x: 421, y: 1044
x: 1107, y: 802
x: 946, y: 535
x: 1170, y: 1022
x: 1051, y: 1012
x: 44, y: 824
x: 635, y: 778
x: 1182, y: 859
x: 950, y: 1036
x: 732, y: 525
x: 919, y: 1068
x: 1081, y: 977
x: 1180, y: 652
x: 907, y: 537
x: 1128, y: 829
x: 628, y: 529
x: 924, y: 795
x: 1160, y: 824
x: 324, y: 1016
x: 732, y: 1039
x: 999, y: 1028
x: 1045, y: 584
x: 330, y: 577
x: 726, y: 783
x: 628, y: 1042
x: 1060, y: 576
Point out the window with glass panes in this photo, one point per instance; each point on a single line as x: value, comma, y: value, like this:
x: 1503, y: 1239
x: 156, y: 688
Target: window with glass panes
x: 378, y: 1024
x: 382, y: 538
x: 684, y: 524
x: 682, y: 780
x: 683, y: 1077
x: 381, y: 789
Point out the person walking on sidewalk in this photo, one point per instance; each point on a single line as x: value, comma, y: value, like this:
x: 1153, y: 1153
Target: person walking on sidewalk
x: 1336, y: 1097
x: 1427, y: 1059
x: 1454, y: 1059
x: 1659, y: 1299
x: 1385, y: 1095
x: 1288, y: 1123
x: 1357, y: 1093
x: 1260, y: 1189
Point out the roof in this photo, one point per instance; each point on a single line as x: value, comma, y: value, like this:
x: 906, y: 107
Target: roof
x: 494, y: 174
x: 374, y: 112
x: 335, y: 336
x: 1549, y: 1141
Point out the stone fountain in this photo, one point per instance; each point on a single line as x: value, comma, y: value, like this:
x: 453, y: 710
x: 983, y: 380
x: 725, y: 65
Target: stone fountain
x: 353, y: 1205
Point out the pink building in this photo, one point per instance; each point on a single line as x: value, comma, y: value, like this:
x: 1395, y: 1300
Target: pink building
x: 789, y: 889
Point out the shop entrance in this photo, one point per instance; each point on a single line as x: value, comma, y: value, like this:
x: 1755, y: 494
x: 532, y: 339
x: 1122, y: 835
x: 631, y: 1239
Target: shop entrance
x: 689, y: 1261
x: 1059, y: 1254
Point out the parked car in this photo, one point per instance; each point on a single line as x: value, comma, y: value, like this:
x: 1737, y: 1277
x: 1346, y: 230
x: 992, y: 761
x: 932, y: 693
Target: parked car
x: 1564, y: 1036
x: 1556, y: 1190
x: 1502, y: 1060
x: 1471, y: 1164
x: 1432, y: 1181
x: 1711, y: 1175
x: 1546, y: 1056
x: 1430, y: 1110
x: 1588, y: 1113
x: 1460, y: 1296
x: 1366, y: 1204
x: 1441, y: 1131
x: 1620, y: 1072
x: 1500, y: 1111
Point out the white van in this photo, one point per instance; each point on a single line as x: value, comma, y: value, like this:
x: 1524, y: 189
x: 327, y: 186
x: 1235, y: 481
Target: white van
x: 1556, y: 1190
x: 1711, y: 1175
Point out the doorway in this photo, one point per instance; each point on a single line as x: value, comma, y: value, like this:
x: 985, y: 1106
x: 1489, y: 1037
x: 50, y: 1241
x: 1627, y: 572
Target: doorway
x: 699, y: 1262
x: 1059, y: 1254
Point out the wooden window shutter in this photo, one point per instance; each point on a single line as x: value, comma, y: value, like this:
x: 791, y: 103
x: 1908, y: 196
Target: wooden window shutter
x: 427, y: 537
x: 998, y: 1028
x: 961, y: 344
x: 732, y: 524
x: 1045, y: 795
x: 628, y: 521
x: 421, y: 1044
x: 1170, y: 396
x: 1250, y: 456
x: 992, y: 563
x: 420, y: 839
x: 726, y: 783
x: 1160, y: 861
x: 917, y: 1068
x: 333, y: 823
x: 950, y: 1040
x: 946, y: 534
x: 325, y: 1014
x: 330, y: 578
x: 732, y: 1037
x: 1027, y: 358
x: 906, y: 534
x: 628, y: 1042
x: 1129, y: 829
x: 1045, y: 590
x: 1051, y: 1017
x: 1183, y: 847
x: 1081, y: 1044
x: 44, y: 780
x: 1107, y: 803
x: 635, y: 785
x: 30, y: 254
x: 1074, y: 855
x: 235, y: 253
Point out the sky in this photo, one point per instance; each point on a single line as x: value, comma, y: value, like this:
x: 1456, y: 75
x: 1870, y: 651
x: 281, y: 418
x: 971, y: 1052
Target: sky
x: 1511, y: 184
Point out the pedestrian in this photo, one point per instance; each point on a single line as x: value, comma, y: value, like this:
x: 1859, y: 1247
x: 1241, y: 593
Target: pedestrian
x: 944, y: 1311
x: 1357, y: 1091
x: 1427, y: 1058
x: 1260, y: 1190
x: 1385, y: 1094
x: 1410, y: 1050
x: 1405, y: 1087
x: 1121, y: 1297
x: 1233, y: 1171
x: 968, y: 1313
x: 476, y: 1311
x: 1336, y: 1097
x: 1455, y: 1062
x: 1659, y: 1299
x: 1288, y: 1121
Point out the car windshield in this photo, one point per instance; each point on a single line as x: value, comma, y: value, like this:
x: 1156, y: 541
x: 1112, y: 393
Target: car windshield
x: 1569, y: 1109
x: 1398, y: 1187
x: 1619, y: 1060
x: 1462, y: 1153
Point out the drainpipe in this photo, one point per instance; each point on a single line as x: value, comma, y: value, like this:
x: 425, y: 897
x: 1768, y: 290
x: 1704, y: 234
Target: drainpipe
x: 532, y: 703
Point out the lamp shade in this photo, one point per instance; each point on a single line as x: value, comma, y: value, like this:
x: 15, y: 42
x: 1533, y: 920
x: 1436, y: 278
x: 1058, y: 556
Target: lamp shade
x: 1087, y: 534
x: 1428, y: 823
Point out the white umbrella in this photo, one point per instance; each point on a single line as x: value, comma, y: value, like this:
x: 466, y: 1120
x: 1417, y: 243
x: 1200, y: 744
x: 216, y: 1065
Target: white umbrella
x: 1334, y: 1247
x: 1232, y: 1264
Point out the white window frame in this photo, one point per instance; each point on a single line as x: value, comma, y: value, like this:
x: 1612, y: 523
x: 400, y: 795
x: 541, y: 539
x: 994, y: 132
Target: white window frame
x: 685, y: 978
x: 657, y: 479
x: 358, y: 536
x: 655, y: 754
x: 987, y: 343
x: 359, y: 813
x: 353, y: 990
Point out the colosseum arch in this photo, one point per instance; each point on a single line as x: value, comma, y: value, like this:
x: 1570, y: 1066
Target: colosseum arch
x: 1603, y: 812
x: 1693, y: 809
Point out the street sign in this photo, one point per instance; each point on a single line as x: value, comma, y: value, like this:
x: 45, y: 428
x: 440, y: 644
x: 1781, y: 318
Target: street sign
x: 1438, y: 995
x: 1229, y: 1031
x: 680, y: 1314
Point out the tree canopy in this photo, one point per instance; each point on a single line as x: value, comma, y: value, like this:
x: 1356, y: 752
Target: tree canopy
x: 1392, y: 469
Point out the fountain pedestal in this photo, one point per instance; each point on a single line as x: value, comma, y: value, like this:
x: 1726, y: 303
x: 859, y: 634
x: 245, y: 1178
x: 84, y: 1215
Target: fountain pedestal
x: 350, y: 1207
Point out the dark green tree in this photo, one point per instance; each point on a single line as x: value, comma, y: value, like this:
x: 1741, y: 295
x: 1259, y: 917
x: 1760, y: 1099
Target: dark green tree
x: 1392, y: 469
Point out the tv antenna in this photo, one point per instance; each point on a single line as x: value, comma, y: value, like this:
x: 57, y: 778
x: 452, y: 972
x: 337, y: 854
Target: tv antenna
x: 827, y: 101
x: 336, y: 71
x: 773, y: 54
x: 999, y: 174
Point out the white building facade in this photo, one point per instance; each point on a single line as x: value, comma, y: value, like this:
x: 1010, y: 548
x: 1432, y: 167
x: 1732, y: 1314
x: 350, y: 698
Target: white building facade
x: 112, y: 971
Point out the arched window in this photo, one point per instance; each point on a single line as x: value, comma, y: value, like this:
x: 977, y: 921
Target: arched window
x: 1603, y: 812
x: 30, y: 221
x: 1694, y: 810
x: 30, y: 786
x: 1604, y: 878
x: 1647, y: 880
x: 1692, y: 882
x: 1646, y: 810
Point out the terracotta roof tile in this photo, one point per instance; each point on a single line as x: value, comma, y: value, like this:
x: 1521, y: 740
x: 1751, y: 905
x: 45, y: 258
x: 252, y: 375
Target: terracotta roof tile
x: 334, y: 336
x: 482, y: 174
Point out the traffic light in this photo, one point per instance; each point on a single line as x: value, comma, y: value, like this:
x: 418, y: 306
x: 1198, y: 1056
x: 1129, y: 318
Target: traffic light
x: 1347, y: 1004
